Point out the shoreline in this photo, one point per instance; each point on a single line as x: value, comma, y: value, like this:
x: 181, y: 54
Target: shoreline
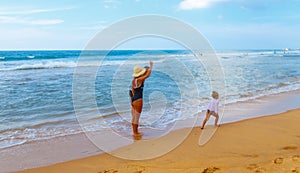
x: 79, y: 146
x: 263, y: 144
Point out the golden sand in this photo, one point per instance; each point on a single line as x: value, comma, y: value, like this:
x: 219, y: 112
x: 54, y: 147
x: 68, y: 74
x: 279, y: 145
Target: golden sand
x: 265, y: 144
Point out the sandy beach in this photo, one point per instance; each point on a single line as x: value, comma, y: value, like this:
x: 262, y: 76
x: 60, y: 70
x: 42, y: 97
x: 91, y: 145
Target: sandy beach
x: 265, y: 144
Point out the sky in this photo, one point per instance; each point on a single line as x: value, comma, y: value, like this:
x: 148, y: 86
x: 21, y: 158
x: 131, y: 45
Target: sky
x: 226, y: 24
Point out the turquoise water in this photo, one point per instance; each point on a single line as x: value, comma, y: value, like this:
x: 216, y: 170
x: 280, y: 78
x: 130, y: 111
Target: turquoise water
x: 36, y: 87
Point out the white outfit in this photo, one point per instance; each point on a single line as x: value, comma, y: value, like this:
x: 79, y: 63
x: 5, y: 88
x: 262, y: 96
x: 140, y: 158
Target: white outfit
x: 213, y: 105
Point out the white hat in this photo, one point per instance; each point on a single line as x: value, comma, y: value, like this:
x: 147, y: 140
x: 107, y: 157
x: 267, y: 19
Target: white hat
x: 138, y: 71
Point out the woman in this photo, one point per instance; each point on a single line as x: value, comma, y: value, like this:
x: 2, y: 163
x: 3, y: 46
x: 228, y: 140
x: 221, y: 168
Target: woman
x: 139, y: 77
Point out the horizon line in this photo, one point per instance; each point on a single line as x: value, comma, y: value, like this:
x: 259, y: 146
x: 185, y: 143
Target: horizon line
x: 273, y: 49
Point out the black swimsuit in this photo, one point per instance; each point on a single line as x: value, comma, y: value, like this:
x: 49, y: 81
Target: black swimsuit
x: 138, y: 92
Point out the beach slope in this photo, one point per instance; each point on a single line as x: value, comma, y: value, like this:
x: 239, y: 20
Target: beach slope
x: 265, y: 144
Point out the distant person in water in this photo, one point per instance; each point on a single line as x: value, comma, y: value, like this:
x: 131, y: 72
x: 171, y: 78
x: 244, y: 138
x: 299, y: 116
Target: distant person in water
x: 212, y: 109
x: 136, y: 95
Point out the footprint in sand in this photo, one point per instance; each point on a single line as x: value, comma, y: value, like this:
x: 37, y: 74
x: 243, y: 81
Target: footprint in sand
x: 290, y: 148
x: 256, y: 168
x: 260, y: 170
x: 109, y: 171
x: 210, y: 170
x: 294, y: 171
x: 252, y: 167
x: 278, y: 160
x: 138, y: 169
x: 296, y: 158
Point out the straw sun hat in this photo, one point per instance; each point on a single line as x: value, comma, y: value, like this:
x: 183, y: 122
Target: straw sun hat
x: 138, y: 71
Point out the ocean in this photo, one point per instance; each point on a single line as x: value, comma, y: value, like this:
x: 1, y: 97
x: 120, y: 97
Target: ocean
x: 37, y: 101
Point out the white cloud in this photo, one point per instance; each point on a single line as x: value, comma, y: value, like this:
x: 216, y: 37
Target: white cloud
x: 34, y: 11
x: 279, y: 18
x: 46, y: 22
x: 21, y: 34
x: 194, y: 4
x: 33, y: 38
x: 15, y: 16
x: 220, y: 17
x: 94, y: 26
x: 97, y: 27
x: 16, y: 20
x: 111, y: 3
x: 252, y: 36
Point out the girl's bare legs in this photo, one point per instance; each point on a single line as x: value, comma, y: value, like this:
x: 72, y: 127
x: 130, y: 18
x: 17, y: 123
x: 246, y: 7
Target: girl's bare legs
x: 205, y: 120
x: 217, y: 118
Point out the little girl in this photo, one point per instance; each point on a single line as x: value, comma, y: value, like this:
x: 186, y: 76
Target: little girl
x: 212, y: 109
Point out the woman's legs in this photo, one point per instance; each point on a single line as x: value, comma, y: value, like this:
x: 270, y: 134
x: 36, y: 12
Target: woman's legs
x: 137, y: 107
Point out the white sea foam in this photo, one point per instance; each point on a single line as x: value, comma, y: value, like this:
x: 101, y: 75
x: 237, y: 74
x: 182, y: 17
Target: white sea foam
x: 51, y: 64
x: 40, y: 65
x: 70, y: 64
x: 15, y: 137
